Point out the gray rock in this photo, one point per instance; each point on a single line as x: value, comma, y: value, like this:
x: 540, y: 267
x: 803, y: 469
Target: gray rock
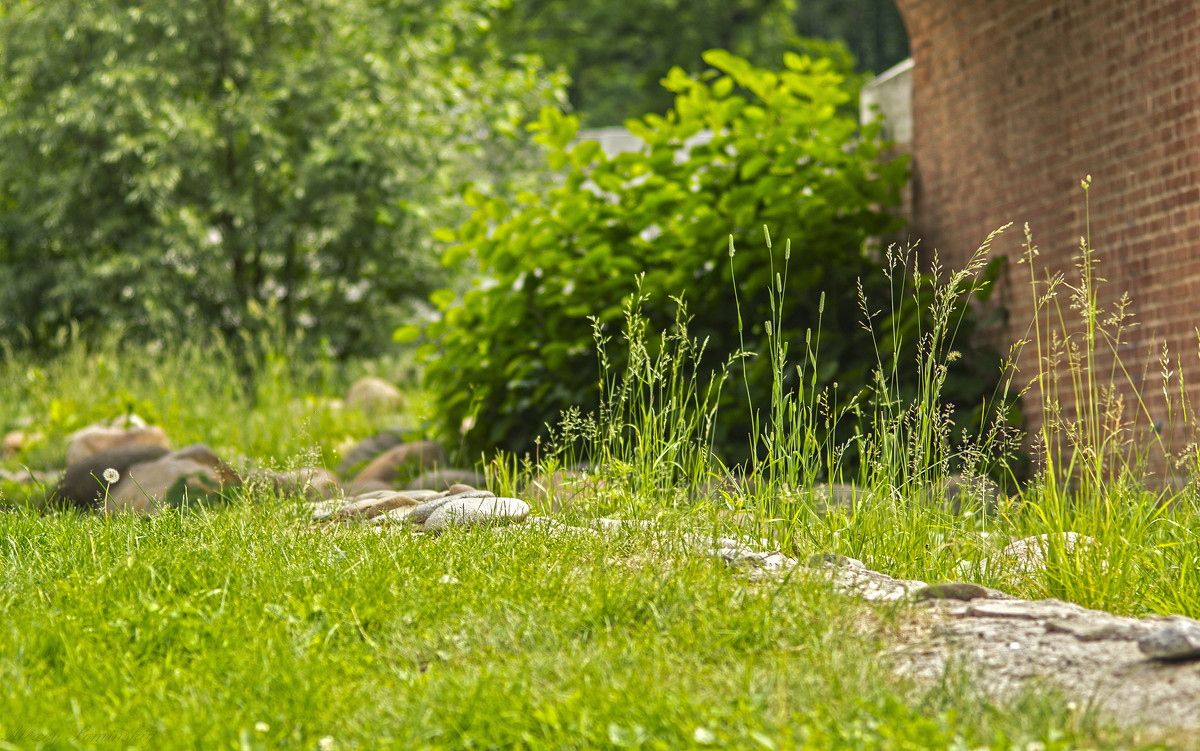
x: 191, y: 475
x: 756, y: 564
x: 399, y: 515
x: 425, y: 495
x: 467, y: 512
x: 1025, y: 609
x: 1087, y: 656
x: 471, y: 494
x: 82, y: 485
x: 371, y: 505
x: 372, y: 394
x: 1100, y: 628
x: 468, y: 494
x: 871, y: 585
x: 96, y: 438
x: 202, y: 454
x: 366, y: 450
x: 396, y: 462
x: 421, y: 513
x: 701, y: 541
x: 1028, y: 556
x: 1177, y: 641
x: 322, y: 510
x: 443, y: 479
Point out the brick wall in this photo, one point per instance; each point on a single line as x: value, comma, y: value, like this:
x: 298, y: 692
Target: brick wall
x: 1014, y: 101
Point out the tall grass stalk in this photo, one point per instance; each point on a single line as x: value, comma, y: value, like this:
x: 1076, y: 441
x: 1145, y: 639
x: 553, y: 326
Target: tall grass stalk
x: 909, y: 448
x: 903, y: 445
x: 1142, y: 555
x: 655, y: 425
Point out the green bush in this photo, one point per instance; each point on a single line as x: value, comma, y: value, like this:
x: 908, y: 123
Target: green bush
x: 518, y: 349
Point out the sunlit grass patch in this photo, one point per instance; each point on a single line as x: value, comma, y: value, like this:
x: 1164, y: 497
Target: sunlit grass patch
x: 239, y: 627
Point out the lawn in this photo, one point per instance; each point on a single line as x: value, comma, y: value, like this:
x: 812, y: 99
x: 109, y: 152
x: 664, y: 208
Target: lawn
x: 246, y: 628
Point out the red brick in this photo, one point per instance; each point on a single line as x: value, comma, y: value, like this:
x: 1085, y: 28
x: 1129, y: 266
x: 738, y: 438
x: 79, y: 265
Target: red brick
x: 1013, y: 102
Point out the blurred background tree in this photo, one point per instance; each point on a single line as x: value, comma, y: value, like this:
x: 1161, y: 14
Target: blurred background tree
x: 872, y: 30
x: 253, y: 165
x: 616, y: 53
x: 225, y: 164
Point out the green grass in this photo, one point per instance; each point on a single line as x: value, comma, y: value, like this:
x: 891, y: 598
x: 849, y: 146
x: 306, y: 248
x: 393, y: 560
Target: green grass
x: 242, y: 628
x: 290, y: 412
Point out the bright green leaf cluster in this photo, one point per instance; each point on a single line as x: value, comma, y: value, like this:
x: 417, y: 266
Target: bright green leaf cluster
x: 743, y: 148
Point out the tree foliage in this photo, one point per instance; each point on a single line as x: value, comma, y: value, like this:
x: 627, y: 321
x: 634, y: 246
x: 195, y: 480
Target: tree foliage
x: 616, y: 53
x: 518, y: 351
x: 218, y: 162
x: 872, y: 30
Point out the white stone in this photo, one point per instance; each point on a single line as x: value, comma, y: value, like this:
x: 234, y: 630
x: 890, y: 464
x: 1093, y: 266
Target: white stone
x: 465, y: 512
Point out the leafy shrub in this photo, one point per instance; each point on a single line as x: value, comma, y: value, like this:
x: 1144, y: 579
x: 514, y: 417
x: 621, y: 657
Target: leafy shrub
x: 518, y: 349
x: 180, y: 165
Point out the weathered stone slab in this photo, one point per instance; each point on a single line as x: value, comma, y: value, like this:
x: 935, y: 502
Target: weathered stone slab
x: 1093, y: 657
x: 759, y: 565
x: 1026, y: 609
x: 1177, y: 641
x: 871, y: 585
x: 1100, y: 627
